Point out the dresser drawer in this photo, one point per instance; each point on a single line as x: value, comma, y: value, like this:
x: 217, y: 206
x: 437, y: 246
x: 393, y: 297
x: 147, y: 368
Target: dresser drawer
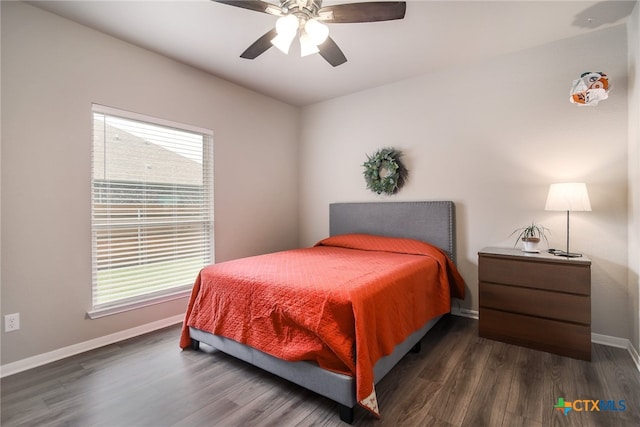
x: 571, y: 278
x: 536, y: 302
x: 566, y: 339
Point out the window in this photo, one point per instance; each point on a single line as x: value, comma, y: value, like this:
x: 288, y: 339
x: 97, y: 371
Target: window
x: 152, y: 209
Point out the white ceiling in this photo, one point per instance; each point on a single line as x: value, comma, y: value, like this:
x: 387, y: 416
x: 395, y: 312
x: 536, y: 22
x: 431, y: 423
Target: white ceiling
x: 434, y: 35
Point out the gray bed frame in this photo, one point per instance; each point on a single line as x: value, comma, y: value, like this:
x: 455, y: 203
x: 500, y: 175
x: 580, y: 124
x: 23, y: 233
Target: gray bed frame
x: 430, y: 221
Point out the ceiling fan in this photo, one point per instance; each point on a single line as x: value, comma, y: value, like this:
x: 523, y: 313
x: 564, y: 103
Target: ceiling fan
x: 307, y: 18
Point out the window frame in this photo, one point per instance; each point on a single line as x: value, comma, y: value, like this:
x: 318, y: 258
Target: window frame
x: 170, y: 294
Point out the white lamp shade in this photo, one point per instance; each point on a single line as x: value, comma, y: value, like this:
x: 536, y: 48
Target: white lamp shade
x: 570, y: 196
x: 317, y: 31
x: 283, y: 43
x: 287, y: 28
x: 307, y: 47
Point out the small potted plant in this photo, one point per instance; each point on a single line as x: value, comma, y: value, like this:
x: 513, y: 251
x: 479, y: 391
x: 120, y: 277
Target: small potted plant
x: 530, y: 236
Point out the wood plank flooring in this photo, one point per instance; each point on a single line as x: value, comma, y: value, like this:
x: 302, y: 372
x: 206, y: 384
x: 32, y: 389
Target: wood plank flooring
x: 458, y: 379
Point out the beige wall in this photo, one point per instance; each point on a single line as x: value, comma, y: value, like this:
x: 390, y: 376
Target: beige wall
x: 491, y: 137
x: 633, y: 36
x: 52, y: 70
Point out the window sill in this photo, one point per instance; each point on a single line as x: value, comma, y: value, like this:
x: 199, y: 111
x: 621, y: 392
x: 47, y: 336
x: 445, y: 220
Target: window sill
x: 121, y: 308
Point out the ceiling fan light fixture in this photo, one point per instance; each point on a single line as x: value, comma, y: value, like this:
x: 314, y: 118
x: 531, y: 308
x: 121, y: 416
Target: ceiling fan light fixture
x: 287, y: 28
x: 307, y: 46
x: 317, y: 31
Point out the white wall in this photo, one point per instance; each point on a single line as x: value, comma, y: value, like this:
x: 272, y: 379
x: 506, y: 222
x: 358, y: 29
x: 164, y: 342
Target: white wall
x: 633, y: 36
x: 491, y: 137
x: 52, y: 70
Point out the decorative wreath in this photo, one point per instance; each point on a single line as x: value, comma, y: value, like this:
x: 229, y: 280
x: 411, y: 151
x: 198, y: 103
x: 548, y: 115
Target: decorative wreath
x: 384, y: 171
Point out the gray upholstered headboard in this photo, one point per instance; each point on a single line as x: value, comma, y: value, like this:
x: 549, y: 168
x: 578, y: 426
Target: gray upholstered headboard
x: 432, y: 222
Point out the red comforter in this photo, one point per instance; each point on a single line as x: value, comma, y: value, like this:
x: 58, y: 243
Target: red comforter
x: 343, y: 303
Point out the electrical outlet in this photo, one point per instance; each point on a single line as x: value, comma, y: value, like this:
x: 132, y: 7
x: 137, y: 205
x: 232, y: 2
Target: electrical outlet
x: 11, y: 322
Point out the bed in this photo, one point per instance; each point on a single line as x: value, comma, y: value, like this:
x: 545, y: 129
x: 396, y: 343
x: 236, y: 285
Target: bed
x: 337, y: 341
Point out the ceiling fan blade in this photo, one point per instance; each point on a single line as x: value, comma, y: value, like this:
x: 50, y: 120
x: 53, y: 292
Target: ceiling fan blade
x: 363, y: 12
x: 330, y: 51
x: 256, y: 5
x: 259, y: 46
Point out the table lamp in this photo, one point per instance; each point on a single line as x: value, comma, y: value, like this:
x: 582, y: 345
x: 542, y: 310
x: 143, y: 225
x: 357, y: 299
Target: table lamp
x: 570, y: 196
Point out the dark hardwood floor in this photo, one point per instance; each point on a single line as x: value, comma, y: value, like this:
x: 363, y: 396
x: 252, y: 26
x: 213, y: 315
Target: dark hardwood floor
x: 458, y: 379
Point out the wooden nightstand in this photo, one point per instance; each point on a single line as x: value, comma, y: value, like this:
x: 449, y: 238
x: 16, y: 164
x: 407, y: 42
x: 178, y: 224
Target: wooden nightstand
x: 539, y: 301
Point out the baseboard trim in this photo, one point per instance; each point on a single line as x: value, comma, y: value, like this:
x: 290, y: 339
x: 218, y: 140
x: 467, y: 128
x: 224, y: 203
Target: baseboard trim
x: 618, y: 343
x: 72, y: 350
x: 634, y: 355
x: 610, y: 341
x: 464, y: 312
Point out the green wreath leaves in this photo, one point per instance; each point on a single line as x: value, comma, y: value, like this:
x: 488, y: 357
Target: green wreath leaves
x: 384, y: 171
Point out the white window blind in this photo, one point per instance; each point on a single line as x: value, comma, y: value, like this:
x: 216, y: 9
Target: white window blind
x: 152, y: 207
